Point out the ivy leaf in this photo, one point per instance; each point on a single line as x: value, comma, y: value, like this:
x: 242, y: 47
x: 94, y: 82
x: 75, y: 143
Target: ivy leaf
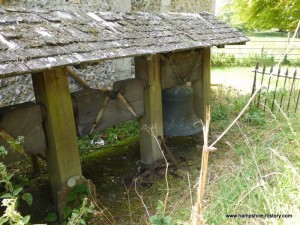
x: 27, y: 197
x: 3, y: 220
x: 6, y: 195
x: 71, y: 197
x: 154, y: 219
x: 17, y: 191
x: 167, y: 220
x: 82, y: 222
x: 67, y: 212
x: 51, y: 217
x: 26, y: 219
x: 3, y: 150
x: 9, y: 177
x: 160, y: 206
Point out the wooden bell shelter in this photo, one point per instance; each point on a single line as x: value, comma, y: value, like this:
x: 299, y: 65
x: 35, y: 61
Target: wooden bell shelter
x: 168, y: 49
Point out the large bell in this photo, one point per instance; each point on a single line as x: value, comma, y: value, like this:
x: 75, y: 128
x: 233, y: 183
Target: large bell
x: 178, y: 112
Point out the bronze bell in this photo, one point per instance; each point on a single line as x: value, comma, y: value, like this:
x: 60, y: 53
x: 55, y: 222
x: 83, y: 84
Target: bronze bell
x: 178, y: 112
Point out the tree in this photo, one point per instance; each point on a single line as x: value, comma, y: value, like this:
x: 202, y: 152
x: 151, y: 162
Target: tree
x: 265, y: 14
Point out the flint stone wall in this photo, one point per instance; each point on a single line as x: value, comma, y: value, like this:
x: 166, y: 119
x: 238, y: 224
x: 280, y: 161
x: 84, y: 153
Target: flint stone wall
x: 18, y: 89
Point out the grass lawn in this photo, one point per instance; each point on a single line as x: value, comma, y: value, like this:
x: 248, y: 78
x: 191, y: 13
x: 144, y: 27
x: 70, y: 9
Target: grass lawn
x: 240, y: 78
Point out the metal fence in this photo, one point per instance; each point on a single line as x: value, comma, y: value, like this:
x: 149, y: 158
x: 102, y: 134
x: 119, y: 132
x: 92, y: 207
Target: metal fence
x: 263, y: 47
x: 279, y: 89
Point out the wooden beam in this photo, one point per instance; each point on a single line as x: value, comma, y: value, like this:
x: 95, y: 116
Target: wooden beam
x: 152, y: 118
x: 201, y: 87
x: 52, y: 91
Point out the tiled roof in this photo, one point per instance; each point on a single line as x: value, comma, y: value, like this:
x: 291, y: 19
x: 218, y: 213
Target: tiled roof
x: 32, y: 41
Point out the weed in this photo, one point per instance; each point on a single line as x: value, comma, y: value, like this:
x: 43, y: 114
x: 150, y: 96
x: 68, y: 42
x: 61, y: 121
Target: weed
x: 110, y: 137
x: 223, y: 59
x: 261, y: 174
x: 10, y: 198
x: 78, y: 209
x: 159, y: 218
x: 228, y: 59
x: 220, y: 112
x: 256, y: 117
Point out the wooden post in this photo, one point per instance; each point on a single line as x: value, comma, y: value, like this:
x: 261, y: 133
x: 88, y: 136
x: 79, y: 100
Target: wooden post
x: 201, y: 87
x: 52, y: 91
x: 150, y: 150
x: 2, y: 2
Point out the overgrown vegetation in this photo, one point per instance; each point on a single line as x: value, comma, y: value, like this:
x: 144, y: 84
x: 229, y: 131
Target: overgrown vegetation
x: 78, y: 209
x: 262, y: 14
x: 12, y: 193
x: 109, y: 137
x: 259, y: 171
x: 229, y: 59
x: 254, y: 171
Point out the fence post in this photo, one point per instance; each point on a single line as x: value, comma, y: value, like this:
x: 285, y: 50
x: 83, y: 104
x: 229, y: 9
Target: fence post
x: 254, y: 81
x: 291, y: 91
x: 297, y: 97
x: 269, y: 82
x: 284, y: 84
x: 274, y: 95
x: 261, y: 83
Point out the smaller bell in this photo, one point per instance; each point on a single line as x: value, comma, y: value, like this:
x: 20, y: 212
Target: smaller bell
x: 178, y: 112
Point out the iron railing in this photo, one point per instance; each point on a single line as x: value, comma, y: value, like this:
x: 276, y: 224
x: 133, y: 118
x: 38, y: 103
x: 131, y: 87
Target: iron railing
x: 278, y: 87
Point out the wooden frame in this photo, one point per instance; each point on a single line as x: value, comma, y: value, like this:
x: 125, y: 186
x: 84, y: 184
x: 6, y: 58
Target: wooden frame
x: 201, y: 87
x: 52, y: 91
x: 151, y: 124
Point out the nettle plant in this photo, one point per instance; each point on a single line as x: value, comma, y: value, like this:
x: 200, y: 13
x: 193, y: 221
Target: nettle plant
x: 72, y: 215
x: 12, y: 194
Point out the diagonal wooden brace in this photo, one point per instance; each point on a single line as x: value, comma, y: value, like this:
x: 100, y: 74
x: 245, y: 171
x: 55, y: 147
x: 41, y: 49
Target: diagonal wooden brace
x: 99, y: 115
x: 127, y: 105
x: 5, y: 135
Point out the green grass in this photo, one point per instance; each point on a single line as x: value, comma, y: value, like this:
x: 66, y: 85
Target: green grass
x: 240, y: 78
x: 258, y: 172
x: 111, y: 137
x: 254, y: 171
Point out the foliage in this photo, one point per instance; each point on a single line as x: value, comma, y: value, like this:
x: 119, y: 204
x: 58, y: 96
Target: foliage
x: 10, y: 198
x: 257, y: 171
x: 78, y: 209
x: 223, y: 59
x: 110, y: 136
x: 263, y: 14
x: 256, y: 116
x: 82, y: 214
x: 159, y: 218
